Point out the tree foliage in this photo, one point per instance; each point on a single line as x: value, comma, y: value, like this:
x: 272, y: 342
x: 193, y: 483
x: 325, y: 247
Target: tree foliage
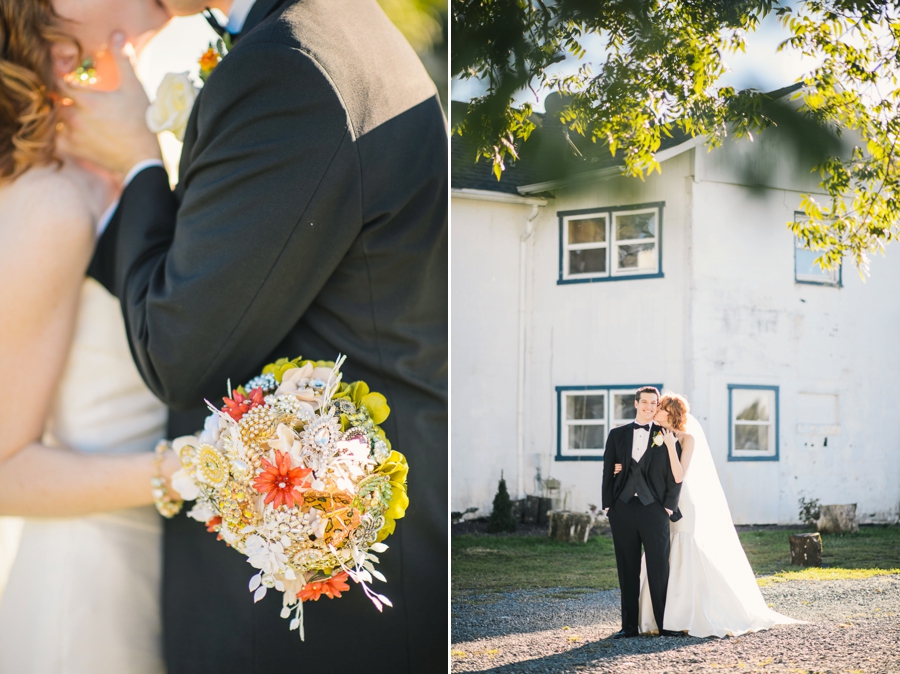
x: 856, y: 88
x: 659, y: 73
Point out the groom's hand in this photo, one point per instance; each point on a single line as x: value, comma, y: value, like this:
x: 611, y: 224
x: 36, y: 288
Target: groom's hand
x: 668, y: 511
x: 109, y: 128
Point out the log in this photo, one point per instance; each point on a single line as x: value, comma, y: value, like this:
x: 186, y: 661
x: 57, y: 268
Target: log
x: 569, y: 526
x: 806, y: 550
x: 837, y: 519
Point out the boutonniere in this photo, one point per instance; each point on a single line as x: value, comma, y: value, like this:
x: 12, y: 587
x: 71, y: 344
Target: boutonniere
x: 177, y: 93
x: 658, y: 439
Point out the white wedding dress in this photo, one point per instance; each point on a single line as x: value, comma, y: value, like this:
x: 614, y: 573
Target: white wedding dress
x: 712, y: 590
x: 83, y: 594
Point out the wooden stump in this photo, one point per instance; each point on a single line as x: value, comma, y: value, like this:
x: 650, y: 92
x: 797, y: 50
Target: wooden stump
x: 569, y: 526
x: 837, y: 519
x: 806, y: 550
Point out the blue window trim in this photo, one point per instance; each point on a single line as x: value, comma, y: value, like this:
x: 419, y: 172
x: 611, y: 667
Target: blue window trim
x: 606, y: 387
x: 828, y: 284
x: 731, y: 457
x: 561, y: 215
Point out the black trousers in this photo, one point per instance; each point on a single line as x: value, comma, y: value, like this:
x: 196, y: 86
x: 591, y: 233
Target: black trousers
x: 633, y: 524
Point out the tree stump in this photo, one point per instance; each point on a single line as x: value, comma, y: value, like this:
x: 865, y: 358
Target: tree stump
x: 806, y: 550
x: 837, y: 519
x: 569, y: 526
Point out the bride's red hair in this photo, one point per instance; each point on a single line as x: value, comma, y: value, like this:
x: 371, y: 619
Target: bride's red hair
x: 28, y: 89
x: 677, y: 408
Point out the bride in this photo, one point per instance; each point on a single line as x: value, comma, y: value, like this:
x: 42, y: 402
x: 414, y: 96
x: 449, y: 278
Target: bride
x: 76, y: 451
x: 712, y: 590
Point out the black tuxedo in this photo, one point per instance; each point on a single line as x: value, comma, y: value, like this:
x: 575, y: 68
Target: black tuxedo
x: 310, y: 218
x: 640, y: 521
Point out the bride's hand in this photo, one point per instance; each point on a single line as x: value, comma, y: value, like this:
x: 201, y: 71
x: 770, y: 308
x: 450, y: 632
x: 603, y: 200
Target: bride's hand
x: 617, y: 469
x: 669, y: 438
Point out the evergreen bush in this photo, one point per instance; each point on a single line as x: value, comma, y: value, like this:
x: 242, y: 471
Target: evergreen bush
x: 502, y: 515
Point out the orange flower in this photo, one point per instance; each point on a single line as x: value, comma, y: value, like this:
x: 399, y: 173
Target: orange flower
x: 213, y: 523
x: 239, y: 405
x: 331, y: 588
x: 280, y: 481
x: 209, y: 60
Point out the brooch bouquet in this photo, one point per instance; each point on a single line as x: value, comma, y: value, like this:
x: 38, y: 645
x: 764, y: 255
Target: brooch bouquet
x: 295, y: 472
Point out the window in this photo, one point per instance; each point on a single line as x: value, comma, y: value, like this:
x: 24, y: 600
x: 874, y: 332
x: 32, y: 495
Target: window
x: 753, y: 427
x: 585, y: 416
x: 610, y: 243
x: 805, y: 268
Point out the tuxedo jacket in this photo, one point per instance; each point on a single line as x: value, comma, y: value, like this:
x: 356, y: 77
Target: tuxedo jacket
x: 658, y: 469
x: 310, y: 218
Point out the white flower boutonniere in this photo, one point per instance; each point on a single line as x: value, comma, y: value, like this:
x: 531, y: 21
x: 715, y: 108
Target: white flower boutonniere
x: 658, y: 439
x: 172, y: 107
x: 177, y: 93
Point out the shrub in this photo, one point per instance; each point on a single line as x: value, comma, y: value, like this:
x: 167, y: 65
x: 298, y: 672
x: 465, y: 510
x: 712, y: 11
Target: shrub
x: 502, y: 515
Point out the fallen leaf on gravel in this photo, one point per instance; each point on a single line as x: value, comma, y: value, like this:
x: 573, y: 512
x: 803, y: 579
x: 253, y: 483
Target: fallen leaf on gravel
x: 574, y: 638
x: 567, y: 627
x: 458, y: 654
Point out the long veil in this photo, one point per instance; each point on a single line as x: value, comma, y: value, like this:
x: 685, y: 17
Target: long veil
x: 714, y: 532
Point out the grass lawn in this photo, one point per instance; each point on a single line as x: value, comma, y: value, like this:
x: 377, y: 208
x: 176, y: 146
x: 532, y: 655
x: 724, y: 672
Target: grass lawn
x: 485, y: 563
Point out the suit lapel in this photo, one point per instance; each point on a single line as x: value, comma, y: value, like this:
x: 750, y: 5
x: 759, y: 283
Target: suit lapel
x: 260, y: 10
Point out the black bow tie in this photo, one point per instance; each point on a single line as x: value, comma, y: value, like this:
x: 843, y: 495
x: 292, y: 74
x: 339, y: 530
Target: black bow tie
x: 643, y: 428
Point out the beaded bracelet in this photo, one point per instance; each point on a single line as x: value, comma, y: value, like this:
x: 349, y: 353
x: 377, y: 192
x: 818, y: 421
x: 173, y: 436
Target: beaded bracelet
x: 166, y: 505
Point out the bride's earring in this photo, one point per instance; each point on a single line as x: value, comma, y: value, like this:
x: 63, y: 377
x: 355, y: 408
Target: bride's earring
x: 86, y: 73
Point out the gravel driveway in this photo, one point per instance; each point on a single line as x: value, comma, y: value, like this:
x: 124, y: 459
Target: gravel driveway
x: 853, y: 626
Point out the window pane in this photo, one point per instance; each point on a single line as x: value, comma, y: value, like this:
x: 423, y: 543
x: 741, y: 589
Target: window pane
x: 589, y: 230
x: 586, y: 406
x: 636, y: 226
x: 806, y: 267
x: 623, y: 406
x: 637, y: 256
x: 591, y: 261
x: 587, y: 437
x: 754, y: 438
x: 750, y: 405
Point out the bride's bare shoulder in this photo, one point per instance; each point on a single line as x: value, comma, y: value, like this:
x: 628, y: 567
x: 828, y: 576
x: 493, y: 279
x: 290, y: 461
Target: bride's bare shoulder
x: 45, y: 210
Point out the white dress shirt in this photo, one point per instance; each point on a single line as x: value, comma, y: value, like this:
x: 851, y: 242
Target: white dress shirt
x: 238, y: 15
x: 639, y: 442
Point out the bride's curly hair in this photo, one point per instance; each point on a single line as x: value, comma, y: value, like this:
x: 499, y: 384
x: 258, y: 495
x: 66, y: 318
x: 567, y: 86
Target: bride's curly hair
x: 677, y: 408
x: 29, y: 112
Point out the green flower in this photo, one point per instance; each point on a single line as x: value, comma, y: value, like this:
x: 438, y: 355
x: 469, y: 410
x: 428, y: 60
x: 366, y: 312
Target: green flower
x: 358, y: 393
x: 396, y: 468
x: 280, y: 366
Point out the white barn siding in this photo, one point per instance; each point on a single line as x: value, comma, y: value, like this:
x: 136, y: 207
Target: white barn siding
x: 728, y: 311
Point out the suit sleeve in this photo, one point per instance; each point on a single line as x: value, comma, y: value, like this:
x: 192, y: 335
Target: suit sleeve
x: 609, y: 461
x: 673, y: 488
x: 271, y: 203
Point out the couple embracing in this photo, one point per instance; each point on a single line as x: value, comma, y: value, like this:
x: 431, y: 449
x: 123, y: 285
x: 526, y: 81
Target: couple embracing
x: 661, y: 493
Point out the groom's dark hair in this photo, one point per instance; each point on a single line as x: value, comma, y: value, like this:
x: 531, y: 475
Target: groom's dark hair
x: 645, y: 389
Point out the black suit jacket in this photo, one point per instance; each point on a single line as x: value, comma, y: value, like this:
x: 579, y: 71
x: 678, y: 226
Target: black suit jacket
x: 310, y: 218
x: 658, y: 471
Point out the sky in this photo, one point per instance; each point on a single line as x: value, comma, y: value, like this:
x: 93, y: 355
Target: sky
x: 762, y: 66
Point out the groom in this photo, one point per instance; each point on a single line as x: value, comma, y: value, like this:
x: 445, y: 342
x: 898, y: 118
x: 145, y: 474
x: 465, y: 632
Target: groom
x: 310, y: 218
x: 640, y: 500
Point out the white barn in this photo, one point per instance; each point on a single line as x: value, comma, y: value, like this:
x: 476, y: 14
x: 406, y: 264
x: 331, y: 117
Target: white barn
x: 569, y: 292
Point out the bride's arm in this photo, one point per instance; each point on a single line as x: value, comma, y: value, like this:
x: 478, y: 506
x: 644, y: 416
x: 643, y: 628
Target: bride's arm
x: 46, y: 238
x: 687, y: 451
x: 679, y: 466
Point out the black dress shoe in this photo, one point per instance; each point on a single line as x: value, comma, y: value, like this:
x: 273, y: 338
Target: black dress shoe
x: 670, y: 633
x: 624, y: 634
